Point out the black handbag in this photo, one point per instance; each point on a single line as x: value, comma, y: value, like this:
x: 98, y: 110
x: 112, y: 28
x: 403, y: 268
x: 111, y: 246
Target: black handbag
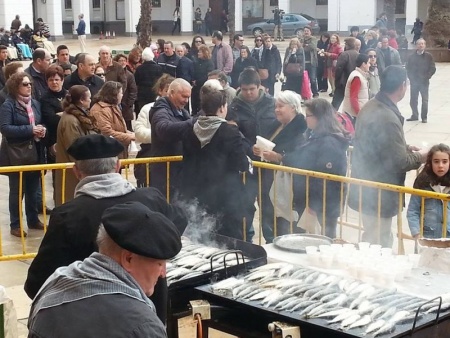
x: 294, y: 69
x: 22, y: 153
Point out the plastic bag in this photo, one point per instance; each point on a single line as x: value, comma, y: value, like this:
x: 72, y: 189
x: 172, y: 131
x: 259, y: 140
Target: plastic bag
x: 8, y: 327
x: 281, y: 196
x: 306, y: 87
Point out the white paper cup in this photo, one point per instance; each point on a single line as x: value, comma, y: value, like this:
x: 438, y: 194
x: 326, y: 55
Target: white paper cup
x: 386, y: 252
x: 414, y: 259
x: 363, y: 246
x: 310, y: 249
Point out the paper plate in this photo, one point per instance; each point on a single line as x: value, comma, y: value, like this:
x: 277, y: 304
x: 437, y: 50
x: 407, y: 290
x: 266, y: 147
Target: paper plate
x: 299, y: 242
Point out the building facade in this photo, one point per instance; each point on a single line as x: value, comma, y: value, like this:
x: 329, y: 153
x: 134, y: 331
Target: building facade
x: 121, y: 16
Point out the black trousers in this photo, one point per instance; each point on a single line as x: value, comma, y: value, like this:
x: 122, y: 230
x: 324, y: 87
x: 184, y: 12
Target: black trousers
x: 423, y: 89
x: 338, y: 97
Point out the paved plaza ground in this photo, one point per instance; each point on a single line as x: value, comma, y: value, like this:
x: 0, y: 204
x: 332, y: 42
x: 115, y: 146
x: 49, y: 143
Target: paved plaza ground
x: 13, y: 274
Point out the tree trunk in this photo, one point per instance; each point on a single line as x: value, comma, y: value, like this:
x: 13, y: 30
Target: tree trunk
x: 145, y: 24
x: 437, y: 26
x: 389, y: 9
x: 231, y: 21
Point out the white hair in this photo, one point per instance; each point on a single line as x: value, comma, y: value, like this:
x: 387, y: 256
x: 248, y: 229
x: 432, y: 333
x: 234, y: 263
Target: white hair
x: 212, y: 84
x: 147, y: 54
x: 177, y: 84
x: 290, y: 98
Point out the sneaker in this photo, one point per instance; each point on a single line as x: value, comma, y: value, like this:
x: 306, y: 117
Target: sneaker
x: 38, y: 226
x: 16, y: 232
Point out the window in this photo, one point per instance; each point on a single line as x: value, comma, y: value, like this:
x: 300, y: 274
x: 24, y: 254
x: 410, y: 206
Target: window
x: 252, y: 8
x: 120, y: 10
x: 68, y: 4
x: 400, y: 7
x: 95, y: 3
x: 156, y: 3
x: 321, y: 2
x: 273, y: 2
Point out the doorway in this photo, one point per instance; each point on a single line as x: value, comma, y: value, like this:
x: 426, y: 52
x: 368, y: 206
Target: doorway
x: 217, y: 6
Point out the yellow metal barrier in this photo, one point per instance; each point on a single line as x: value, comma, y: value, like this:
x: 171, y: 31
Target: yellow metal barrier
x: 343, y: 219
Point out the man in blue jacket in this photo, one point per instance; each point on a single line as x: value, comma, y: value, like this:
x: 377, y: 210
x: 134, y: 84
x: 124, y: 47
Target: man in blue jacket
x: 81, y: 31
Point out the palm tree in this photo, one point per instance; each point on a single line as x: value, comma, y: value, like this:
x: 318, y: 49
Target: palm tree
x: 231, y: 20
x: 145, y: 24
x: 437, y: 26
x: 389, y: 9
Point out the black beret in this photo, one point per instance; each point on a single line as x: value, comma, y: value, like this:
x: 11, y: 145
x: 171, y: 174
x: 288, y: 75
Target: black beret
x: 136, y: 228
x: 95, y: 146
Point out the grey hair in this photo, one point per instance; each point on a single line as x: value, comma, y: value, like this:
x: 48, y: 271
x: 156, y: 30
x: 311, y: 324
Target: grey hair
x: 147, y: 54
x: 97, y: 166
x: 177, y: 84
x: 105, y: 243
x: 290, y: 98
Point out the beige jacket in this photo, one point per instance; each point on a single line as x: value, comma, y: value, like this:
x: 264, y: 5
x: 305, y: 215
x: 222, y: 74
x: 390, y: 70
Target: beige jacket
x: 111, y: 123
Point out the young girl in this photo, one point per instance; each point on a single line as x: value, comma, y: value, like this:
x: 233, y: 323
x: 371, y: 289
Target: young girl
x: 435, y: 176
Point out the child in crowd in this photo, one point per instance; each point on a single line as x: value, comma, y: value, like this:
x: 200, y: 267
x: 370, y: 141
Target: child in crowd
x: 435, y: 176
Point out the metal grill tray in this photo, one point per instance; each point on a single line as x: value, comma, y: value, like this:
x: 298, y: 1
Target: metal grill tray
x: 313, y: 323
x: 299, y: 242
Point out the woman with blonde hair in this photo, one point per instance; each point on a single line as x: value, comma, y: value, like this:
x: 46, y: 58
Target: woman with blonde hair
x: 108, y: 114
x: 371, y: 39
x: 294, y: 65
x: 334, y: 49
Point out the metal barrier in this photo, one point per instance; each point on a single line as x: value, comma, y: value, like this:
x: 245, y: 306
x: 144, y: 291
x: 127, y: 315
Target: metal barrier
x: 343, y: 219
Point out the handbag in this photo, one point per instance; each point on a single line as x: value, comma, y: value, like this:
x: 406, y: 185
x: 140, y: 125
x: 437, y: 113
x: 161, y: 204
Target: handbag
x: 293, y: 69
x: 281, y: 196
x: 22, y: 153
x: 263, y: 73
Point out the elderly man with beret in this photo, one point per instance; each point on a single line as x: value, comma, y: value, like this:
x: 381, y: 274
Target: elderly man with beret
x: 72, y: 231
x: 106, y: 295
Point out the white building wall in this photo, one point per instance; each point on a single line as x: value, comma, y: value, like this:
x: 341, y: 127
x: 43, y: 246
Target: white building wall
x: 78, y: 7
x: 342, y: 14
x: 132, y: 14
x: 53, y: 16
x: 309, y: 7
x: 10, y: 8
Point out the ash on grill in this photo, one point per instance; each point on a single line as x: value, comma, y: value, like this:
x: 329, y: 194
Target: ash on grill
x: 346, y: 304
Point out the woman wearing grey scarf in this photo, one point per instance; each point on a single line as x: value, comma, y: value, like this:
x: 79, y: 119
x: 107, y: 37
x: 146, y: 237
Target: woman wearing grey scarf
x: 214, y: 156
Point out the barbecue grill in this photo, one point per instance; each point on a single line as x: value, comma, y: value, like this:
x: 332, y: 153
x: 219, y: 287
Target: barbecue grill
x: 180, y: 292
x: 250, y: 319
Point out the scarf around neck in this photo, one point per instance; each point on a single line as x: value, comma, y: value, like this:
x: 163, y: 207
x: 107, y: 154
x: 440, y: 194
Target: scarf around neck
x: 25, y: 102
x: 206, y: 127
x: 96, y: 275
x: 104, y: 186
x: 87, y: 121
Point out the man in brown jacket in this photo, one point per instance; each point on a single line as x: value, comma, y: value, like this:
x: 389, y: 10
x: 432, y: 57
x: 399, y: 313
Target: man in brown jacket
x: 420, y: 68
x: 113, y: 70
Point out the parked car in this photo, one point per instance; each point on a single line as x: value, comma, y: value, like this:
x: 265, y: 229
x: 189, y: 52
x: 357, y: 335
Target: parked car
x: 292, y: 25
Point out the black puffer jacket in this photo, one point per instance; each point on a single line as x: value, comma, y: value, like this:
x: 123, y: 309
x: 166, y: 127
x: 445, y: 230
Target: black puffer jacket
x: 324, y: 153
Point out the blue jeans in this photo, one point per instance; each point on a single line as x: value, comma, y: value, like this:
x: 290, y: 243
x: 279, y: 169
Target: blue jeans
x: 30, y: 184
x: 312, y: 73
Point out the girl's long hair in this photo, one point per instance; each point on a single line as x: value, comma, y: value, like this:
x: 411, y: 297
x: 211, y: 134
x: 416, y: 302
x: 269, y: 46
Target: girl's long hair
x: 427, y: 176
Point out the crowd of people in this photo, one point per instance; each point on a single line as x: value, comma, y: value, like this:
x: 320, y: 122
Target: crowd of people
x: 209, y: 104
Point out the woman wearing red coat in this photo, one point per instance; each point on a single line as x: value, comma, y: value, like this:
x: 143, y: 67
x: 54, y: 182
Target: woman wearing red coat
x: 331, y: 55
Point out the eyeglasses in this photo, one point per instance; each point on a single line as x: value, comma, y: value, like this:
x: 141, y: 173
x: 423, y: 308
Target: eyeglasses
x: 100, y: 74
x: 26, y: 84
x: 198, y: 41
x: 372, y: 56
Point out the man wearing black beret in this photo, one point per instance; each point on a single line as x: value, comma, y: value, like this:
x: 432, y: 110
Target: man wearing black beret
x: 106, y: 294
x: 73, y: 226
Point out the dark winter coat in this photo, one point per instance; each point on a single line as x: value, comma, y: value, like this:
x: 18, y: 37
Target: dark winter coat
x: 201, y: 69
x: 211, y: 175
x: 346, y: 63
x: 94, y: 83
x: 129, y: 96
x: 380, y: 154
x: 239, y: 66
x: 40, y: 86
x: 168, y: 126
x: 186, y: 69
x: 257, y: 118
x: 326, y: 153
x: 146, y: 76
x: 420, y: 67
x: 169, y: 64
x: 15, y: 125
x: 72, y: 232
x: 271, y: 60
x: 50, y: 105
